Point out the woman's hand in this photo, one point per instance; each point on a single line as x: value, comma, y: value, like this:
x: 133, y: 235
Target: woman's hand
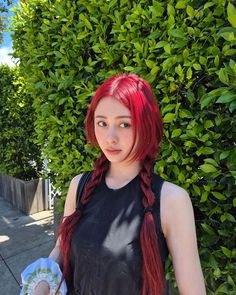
x: 41, y: 289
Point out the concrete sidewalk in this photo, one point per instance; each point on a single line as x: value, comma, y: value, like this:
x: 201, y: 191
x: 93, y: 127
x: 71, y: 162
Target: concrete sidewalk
x: 23, y: 239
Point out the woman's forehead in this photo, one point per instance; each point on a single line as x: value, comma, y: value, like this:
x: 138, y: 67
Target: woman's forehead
x: 111, y: 107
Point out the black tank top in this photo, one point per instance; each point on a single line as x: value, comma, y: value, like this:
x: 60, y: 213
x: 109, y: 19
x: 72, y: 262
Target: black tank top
x: 105, y: 248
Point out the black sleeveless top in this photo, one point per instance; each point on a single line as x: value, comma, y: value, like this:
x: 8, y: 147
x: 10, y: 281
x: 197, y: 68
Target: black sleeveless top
x: 105, y: 248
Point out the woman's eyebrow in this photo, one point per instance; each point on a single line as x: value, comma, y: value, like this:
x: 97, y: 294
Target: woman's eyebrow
x: 118, y: 117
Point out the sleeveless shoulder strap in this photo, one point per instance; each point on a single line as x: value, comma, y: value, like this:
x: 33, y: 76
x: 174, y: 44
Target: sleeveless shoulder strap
x: 156, y: 184
x: 83, y: 180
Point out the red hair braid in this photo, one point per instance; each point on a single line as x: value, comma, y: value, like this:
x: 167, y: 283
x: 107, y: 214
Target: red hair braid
x: 153, y: 274
x: 68, y: 223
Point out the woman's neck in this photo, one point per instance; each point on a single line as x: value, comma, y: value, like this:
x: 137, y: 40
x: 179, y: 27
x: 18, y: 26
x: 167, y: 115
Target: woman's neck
x: 123, y: 171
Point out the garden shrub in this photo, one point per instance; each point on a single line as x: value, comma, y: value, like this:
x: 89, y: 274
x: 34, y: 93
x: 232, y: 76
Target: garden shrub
x: 19, y: 155
x: 186, y: 50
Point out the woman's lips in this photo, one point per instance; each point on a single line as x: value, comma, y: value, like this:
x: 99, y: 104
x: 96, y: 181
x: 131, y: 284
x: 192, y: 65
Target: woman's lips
x: 113, y: 152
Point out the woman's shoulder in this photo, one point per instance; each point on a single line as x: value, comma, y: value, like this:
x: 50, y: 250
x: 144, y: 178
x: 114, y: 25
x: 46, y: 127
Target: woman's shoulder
x: 70, y: 203
x: 76, y: 178
x: 174, y: 199
x: 173, y: 192
x: 169, y: 190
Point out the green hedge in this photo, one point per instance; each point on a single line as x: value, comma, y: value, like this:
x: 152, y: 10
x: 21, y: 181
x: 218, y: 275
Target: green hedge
x: 186, y: 50
x: 19, y: 155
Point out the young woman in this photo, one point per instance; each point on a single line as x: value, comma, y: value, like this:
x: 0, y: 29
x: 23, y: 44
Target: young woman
x: 118, y: 238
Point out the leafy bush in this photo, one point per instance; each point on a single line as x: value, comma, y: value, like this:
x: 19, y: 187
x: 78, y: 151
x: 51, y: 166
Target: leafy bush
x: 186, y: 50
x: 19, y: 155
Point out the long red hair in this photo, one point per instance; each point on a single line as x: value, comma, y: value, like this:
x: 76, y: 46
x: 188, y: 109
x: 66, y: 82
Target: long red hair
x: 136, y: 94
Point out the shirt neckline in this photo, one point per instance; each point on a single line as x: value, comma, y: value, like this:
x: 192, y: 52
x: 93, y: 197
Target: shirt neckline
x: 120, y: 188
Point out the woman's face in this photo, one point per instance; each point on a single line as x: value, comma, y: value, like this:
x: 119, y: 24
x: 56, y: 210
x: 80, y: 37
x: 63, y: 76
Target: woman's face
x: 113, y: 129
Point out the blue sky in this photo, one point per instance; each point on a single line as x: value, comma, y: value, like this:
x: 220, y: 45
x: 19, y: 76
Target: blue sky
x: 6, y: 46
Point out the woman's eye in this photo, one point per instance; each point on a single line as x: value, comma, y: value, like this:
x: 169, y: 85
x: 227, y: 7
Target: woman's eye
x: 101, y: 124
x: 124, y: 125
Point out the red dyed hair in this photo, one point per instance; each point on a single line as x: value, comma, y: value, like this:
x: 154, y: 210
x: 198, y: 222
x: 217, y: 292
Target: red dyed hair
x: 136, y: 94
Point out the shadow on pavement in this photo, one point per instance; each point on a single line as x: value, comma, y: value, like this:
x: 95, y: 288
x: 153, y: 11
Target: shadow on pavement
x: 23, y: 239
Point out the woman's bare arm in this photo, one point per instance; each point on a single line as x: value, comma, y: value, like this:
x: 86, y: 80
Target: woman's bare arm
x: 69, y: 208
x: 70, y: 205
x: 179, y: 229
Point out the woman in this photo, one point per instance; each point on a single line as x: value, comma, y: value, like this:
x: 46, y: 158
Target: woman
x: 117, y: 240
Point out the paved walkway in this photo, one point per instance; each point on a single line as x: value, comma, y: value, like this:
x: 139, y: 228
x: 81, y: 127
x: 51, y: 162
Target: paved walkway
x: 23, y: 239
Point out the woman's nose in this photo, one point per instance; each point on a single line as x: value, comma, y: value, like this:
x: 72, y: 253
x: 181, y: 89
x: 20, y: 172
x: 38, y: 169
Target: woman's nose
x: 111, y: 135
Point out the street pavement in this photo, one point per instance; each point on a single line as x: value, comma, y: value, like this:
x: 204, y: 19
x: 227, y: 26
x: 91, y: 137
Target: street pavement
x: 23, y: 239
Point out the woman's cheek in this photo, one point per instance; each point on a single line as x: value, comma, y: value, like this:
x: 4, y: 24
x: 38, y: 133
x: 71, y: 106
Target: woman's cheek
x: 99, y: 134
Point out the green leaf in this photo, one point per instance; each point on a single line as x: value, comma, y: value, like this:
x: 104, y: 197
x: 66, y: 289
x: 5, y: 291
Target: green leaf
x: 167, y: 64
x: 212, y: 261
x: 197, y: 66
x: 183, y: 113
x: 211, y: 161
x: 226, y: 98
x: 229, y: 52
x: 208, y: 124
x: 206, y: 100
x: 208, y: 229
x: 222, y: 289
x: 204, y: 151
x: 171, y: 20
x: 190, y: 11
x: 124, y: 59
x: 202, y: 60
x: 231, y: 11
x: 196, y: 190
x: 232, y: 106
x: 234, y: 202
x: 230, y: 217
x: 169, y: 107
x: 167, y: 48
x: 208, y: 168
x: 219, y: 196
x: 86, y: 21
x: 217, y: 272
x: 177, y: 33
x: 55, y: 120
x: 224, y: 155
x: 230, y: 281
x: 181, y: 4
x: 208, y: 4
x: 189, y: 73
x: 170, y: 9
x: 168, y: 118
x: 204, y: 197
x: 185, y: 53
x: 155, y: 70
x: 228, y: 34
x: 223, y: 233
x: 223, y: 76
x: 138, y: 46
x: 179, y: 70
x: 82, y: 35
x: 129, y: 68
x: 96, y: 48
x: 226, y: 251
x: 176, y: 132
x: 161, y: 44
x: 217, y: 61
x: 150, y: 63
